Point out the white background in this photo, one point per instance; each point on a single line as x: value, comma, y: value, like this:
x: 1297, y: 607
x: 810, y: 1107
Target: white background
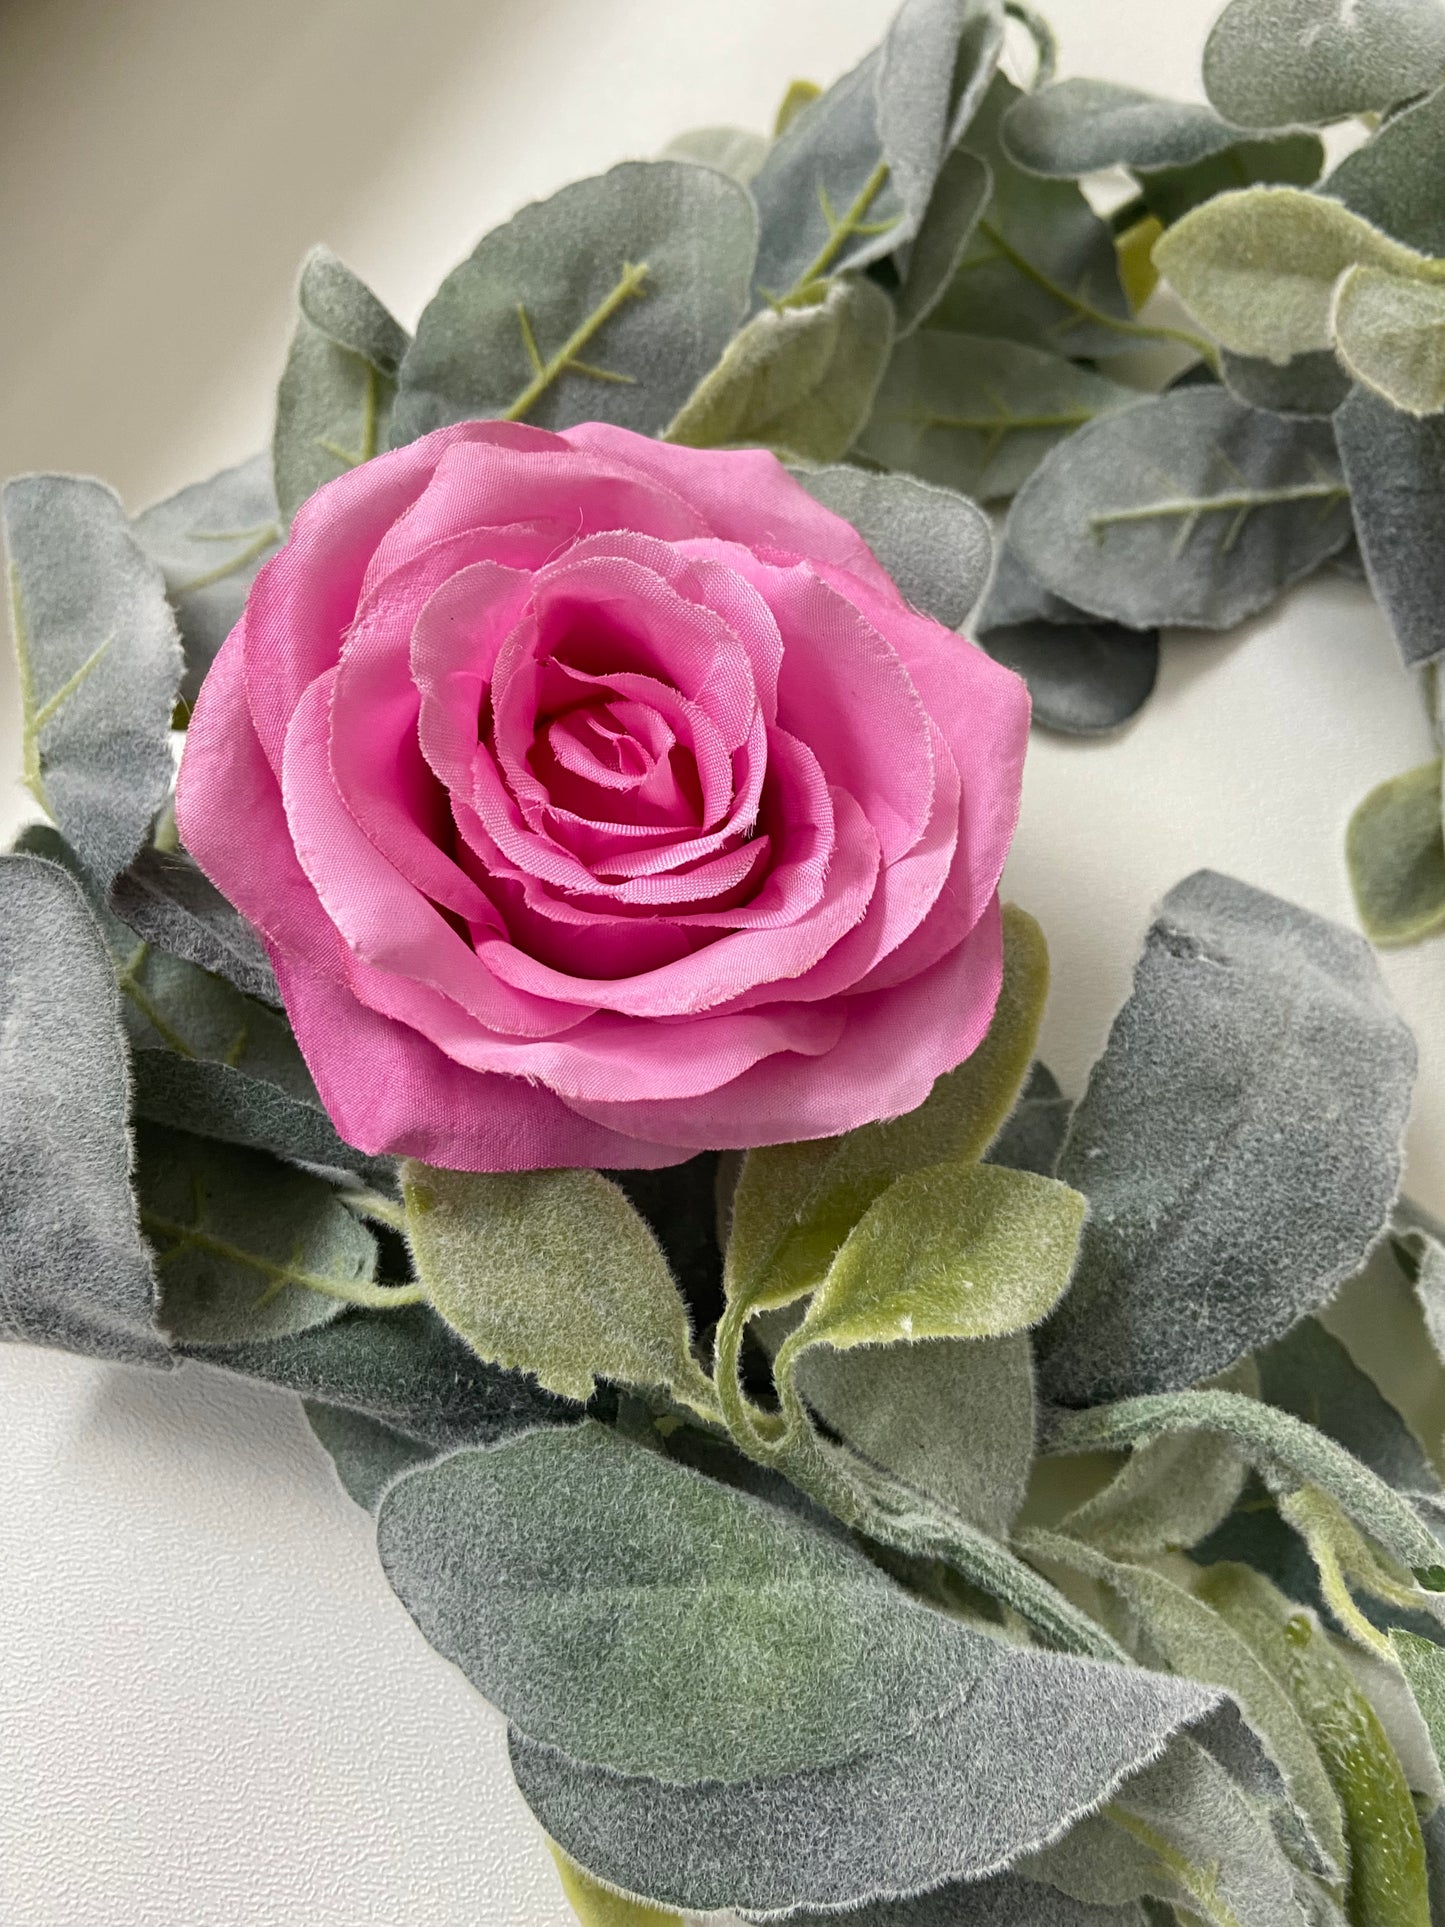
x: 213, y: 1709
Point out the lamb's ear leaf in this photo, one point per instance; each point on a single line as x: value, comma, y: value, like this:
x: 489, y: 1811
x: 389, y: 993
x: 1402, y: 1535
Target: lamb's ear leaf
x: 169, y: 903
x: 1037, y: 1742
x: 366, y: 1454
x: 1310, y: 1373
x: 1037, y: 1125
x: 736, y: 151
x: 1309, y: 384
x: 74, y: 1271
x: 799, y: 379
x: 1087, y: 679
x: 1003, y: 1900
x: 980, y: 415
x: 1288, y: 63
x: 1389, y: 181
x: 1395, y: 467
x: 1388, y: 330
x: 598, y: 1906
x: 100, y: 664
x: 552, y: 1273
x: 1258, y: 1047
x: 1189, y: 508
x: 210, y: 540
x: 608, y: 301
x: 936, y: 544
x: 1170, y: 1493
x: 796, y: 1203
x: 1423, y: 1664
x: 334, y: 401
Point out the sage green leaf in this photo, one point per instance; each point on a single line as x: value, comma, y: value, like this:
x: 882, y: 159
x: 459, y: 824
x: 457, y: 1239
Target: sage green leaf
x: 609, y: 301
x: 1189, y: 508
x: 736, y: 151
x: 1390, y: 181
x: 796, y: 1203
x: 235, y: 1106
x: 169, y: 903
x: 1086, y: 680
x: 1039, y: 1741
x: 210, y: 540
x: 927, y: 265
x: 1311, y: 1374
x: 980, y: 415
x: 1395, y: 847
x: 621, y: 1607
x: 100, y: 664
x: 800, y: 379
x: 598, y: 1906
x: 1239, y: 1142
x: 1423, y: 1664
x: 1004, y: 1900
x: 74, y: 1272
x: 1310, y: 384
x: 1388, y: 1881
x: 1388, y: 335
x: 1395, y: 468
x: 1260, y: 268
x: 939, y: 58
x: 1169, y: 1493
x: 1041, y: 267
x: 1034, y: 1134
x: 1293, y: 160
x: 334, y: 401
x: 1076, y: 127
x: 366, y: 1454
x: 1282, y: 63
x: 936, y: 544
x: 245, y: 1246
x: 553, y: 1273
x: 1016, y: 597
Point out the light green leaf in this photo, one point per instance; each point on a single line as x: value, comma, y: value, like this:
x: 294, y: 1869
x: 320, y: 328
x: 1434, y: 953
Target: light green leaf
x: 980, y: 415
x: 335, y: 396
x: 1310, y: 384
x: 100, y: 664
x: 1395, y: 467
x: 598, y: 1906
x: 366, y: 1454
x: 799, y: 379
x: 1087, y: 679
x: 1390, y: 335
x: 1391, y: 180
x: 1282, y: 63
x: 610, y: 301
x: 1395, y: 848
x: 553, y: 1273
x: 1423, y: 1664
x: 928, y: 264
x: 736, y: 151
x: 1077, y: 127
x: 936, y: 544
x: 1169, y: 1493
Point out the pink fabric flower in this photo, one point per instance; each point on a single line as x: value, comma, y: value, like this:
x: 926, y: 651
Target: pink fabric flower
x: 601, y: 801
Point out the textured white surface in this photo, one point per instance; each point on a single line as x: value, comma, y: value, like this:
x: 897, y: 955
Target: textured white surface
x: 214, y: 1711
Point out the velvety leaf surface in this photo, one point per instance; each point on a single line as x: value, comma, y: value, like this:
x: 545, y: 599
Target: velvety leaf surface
x: 1395, y: 467
x: 737, y: 151
x: 980, y: 415
x: 170, y: 903
x: 1310, y: 384
x: 100, y: 665
x: 935, y: 544
x: 1280, y: 63
x: 931, y: 259
x: 1034, y: 1134
x: 1078, y: 126
x: 1016, y: 597
x: 1311, y: 1374
x: 550, y: 1272
x: 598, y: 1906
x: 1388, y: 332
x: 798, y: 379
x: 1423, y: 1664
x: 1169, y: 1493
x: 1239, y: 1142
x: 1392, y: 180
x: 642, y: 272
x: 1005, y: 1900
x: 336, y: 392
x: 1084, y: 680
x: 367, y: 1455
x: 1295, y: 160
x: 210, y: 541
x: 1190, y: 509
x: 74, y: 1272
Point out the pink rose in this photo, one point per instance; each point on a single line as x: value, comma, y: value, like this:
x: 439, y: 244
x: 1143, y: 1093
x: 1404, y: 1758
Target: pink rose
x: 601, y: 801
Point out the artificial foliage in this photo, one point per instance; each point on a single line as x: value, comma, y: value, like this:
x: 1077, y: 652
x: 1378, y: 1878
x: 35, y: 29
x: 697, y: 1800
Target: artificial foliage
x: 971, y: 1519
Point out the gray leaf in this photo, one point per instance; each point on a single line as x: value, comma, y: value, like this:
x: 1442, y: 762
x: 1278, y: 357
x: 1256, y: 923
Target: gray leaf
x: 1077, y: 127
x: 100, y: 664
x: 172, y: 904
x: 210, y: 540
x: 336, y: 392
x: 1005, y: 1900
x: 927, y: 265
x: 935, y: 544
x: 1239, y: 1142
x: 1172, y: 1492
x: 1034, y: 1134
x: 1293, y: 160
x: 1311, y: 1374
x: 1016, y: 596
x: 1038, y: 1742
x: 980, y: 415
x: 366, y: 1454
x: 1392, y: 180
x: 736, y: 151
x: 1282, y: 63
x: 218, y: 1100
x: 1310, y: 384
x: 1395, y: 467
x: 642, y: 272
x: 1187, y: 509
x: 74, y: 1272
x: 1083, y: 681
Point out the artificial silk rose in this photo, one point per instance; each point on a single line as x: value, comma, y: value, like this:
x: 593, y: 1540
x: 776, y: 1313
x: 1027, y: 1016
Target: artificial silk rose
x: 600, y: 801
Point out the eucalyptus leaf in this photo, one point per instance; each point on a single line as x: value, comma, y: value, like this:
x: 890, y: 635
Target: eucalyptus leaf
x: 929, y: 262
x: 74, y: 1271
x: 1076, y: 127
x: 801, y: 379
x: 1311, y: 1374
x: 100, y: 665
x: 1239, y: 1142
x: 1087, y: 680
x: 170, y: 903
x: 612, y: 300
x: 1016, y: 597
x: 366, y: 1454
x: 980, y: 415
x: 1294, y: 160
x: 1189, y: 508
x: 1395, y: 467
x: 1004, y: 1900
x: 1282, y: 63
x: 336, y: 392
x: 1034, y: 1134
x: 1388, y: 334
x: 219, y: 1100
x: 736, y: 151
x: 210, y: 541
x: 1391, y: 180
x: 1310, y: 384
x: 936, y: 545
x: 554, y: 1273
x: 1395, y: 847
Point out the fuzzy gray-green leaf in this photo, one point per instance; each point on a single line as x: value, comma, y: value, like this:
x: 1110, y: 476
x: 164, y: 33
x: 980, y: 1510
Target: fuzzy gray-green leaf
x: 1284, y: 63
x: 936, y: 544
x: 366, y: 1454
x: 1395, y: 847
x: 100, y: 665
x: 1086, y: 679
x: 1076, y: 127
x: 736, y: 151
x: 1004, y: 1900
x: 609, y: 301
x: 1168, y: 1494
x: 1391, y: 181
x: 1310, y: 384
x: 168, y: 901
x: 1395, y: 467
x: 1423, y: 1664
x: 1388, y: 335
x: 931, y: 259
x: 1239, y: 1142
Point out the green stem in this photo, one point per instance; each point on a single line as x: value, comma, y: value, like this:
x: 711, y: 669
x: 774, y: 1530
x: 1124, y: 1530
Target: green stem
x: 351, y: 1291
x: 1045, y: 41
x: 1242, y: 499
x: 376, y: 1206
x: 29, y: 734
x: 839, y: 233
x: 1200, y: 1883
x: 628, y: 288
